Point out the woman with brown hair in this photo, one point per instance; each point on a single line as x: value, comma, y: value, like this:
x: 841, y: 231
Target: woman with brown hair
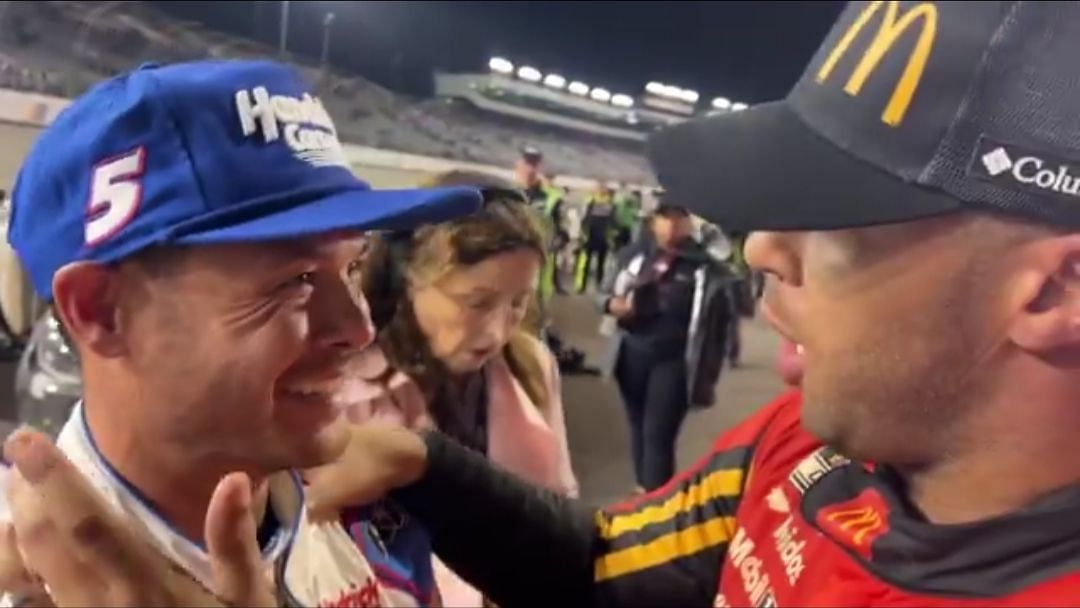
x: 456, y: 349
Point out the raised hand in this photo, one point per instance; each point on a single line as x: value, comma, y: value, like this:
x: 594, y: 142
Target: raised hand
x: 69, y: 541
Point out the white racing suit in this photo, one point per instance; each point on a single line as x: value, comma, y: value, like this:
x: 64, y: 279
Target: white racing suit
x: 313, y: 565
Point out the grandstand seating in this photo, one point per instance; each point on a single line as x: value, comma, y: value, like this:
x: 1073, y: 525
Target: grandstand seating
x: 63, y: 47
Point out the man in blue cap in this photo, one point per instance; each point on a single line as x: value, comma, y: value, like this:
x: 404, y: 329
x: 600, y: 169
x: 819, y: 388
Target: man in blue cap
x: 916, y: 201
x: 198, y: 231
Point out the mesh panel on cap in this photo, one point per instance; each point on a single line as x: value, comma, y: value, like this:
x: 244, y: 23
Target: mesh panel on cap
x: 1028, y: 94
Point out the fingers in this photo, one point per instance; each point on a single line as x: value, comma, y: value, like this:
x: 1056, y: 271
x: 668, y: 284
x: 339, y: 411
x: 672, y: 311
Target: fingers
x: 351, y: 480
x: 231, y: 537
x: 67, y: 534
x: 380, y: 457
x: 15, y: 579
x: 329, y: 491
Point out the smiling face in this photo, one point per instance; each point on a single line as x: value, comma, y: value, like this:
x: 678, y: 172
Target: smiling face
x: 237, y: 352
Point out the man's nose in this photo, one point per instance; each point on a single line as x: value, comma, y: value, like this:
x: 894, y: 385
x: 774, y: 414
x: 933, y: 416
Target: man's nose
x: 776, y: 253
x: 343, y: 319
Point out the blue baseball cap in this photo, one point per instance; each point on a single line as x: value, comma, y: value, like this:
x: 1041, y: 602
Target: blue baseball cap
x: 197, y: 153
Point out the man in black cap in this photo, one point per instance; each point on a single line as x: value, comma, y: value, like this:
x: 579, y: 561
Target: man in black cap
x: 919, y: 193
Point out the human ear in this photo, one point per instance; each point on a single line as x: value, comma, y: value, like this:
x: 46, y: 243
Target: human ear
x: 85, y: 299
x: 1047, y: 285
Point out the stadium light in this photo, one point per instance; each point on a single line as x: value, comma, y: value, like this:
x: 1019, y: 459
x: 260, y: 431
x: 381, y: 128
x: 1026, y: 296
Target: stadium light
x: 599, y: 94
x: 673, y: 92
x: 554, y: 81
x: 656, y: 88
x: 738, y: 106
x: 529, y: 73
x: 500, y: 65
x: 622, y: 101
x: 689, y: 96
x: 721, y: 103
x: 579, y: 88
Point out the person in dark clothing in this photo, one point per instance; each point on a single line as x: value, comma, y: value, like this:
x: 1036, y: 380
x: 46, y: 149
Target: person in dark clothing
x: 652, y: 299
x: 597, y: 228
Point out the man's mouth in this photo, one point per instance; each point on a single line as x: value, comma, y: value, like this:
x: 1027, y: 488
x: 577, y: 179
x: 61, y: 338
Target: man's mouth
x: 314, y: 391
x: 791, y: 363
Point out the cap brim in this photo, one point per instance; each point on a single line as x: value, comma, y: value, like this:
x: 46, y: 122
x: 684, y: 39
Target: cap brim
x: 764, y: 169
x: 355, y: 210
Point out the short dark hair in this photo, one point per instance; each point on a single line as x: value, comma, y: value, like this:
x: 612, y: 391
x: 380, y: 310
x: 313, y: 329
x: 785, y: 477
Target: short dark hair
x: 672, y: 212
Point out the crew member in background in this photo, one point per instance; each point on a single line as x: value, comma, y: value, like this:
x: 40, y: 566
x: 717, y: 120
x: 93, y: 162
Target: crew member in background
x: 572, y: 223
x: 550, y: 201
x: 627, y: 215
x: 672, y: 308
x: 597, y: 229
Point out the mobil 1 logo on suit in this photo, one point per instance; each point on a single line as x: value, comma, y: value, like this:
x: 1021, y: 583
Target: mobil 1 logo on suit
x: 1020, y: 167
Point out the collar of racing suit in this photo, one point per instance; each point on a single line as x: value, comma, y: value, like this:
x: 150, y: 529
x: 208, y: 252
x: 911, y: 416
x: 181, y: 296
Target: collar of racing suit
x: 339, y: 563
x: 860, y: 507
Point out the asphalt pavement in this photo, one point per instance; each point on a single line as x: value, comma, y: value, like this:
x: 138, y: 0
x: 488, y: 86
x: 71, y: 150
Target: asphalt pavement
x: 596, y: 425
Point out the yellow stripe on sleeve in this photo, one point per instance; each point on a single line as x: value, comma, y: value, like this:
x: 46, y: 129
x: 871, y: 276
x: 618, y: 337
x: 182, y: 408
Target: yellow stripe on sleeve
x: 718, y: 484
x: 669, y: 547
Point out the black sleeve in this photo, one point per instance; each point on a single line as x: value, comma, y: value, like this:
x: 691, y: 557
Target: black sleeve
x: 520, y: 545
x: 523, y: 546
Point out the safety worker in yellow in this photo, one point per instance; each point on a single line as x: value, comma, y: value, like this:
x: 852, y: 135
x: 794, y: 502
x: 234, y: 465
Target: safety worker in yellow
x: 597, y: 231
x: 549, y: 201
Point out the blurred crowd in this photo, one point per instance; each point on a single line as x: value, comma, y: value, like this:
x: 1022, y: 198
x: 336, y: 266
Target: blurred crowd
x: 62, y: 48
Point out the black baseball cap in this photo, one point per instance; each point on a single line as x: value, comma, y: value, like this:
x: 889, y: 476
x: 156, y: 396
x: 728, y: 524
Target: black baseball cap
x: 908, y: 110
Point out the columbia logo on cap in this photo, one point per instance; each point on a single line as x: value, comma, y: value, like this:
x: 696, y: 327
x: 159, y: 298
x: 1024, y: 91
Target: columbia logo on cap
x: 1015, y: 167
x: 997, y: 162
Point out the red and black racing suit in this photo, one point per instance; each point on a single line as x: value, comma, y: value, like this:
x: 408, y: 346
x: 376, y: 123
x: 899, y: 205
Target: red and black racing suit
x: 769, y: 518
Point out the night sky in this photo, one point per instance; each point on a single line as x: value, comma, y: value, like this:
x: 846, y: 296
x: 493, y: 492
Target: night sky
x: 747, y: 51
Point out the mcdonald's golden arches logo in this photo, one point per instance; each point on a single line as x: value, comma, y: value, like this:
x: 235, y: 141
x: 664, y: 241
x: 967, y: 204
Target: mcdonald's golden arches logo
x: 858, y: 523
x: 891, y: 26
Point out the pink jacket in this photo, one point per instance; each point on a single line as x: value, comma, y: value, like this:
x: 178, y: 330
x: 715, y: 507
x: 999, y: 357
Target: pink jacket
x: 521, y: 438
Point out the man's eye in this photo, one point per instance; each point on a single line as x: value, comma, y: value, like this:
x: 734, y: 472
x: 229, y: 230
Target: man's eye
x: 304, y: 278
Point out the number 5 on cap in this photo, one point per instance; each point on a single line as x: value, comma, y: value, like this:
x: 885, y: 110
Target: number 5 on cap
x: 115, y: 195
